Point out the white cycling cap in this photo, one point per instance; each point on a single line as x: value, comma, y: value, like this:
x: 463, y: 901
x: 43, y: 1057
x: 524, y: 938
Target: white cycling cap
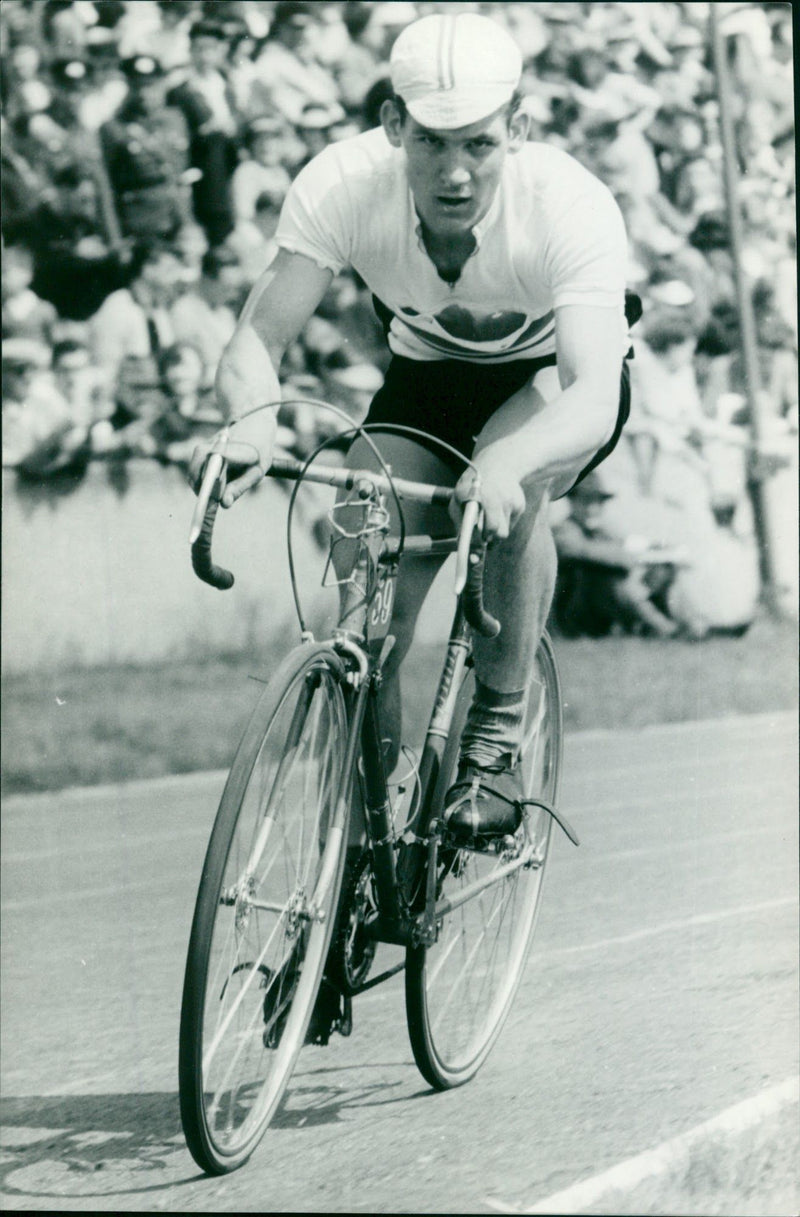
x: 454, y: 69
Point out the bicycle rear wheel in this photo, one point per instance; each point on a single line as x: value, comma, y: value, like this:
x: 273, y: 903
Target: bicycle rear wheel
x: 264, y: 912
x: 459, y: 991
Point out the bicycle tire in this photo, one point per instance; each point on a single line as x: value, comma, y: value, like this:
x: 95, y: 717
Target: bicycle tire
x: 459, y: 991
x: 253, y: 972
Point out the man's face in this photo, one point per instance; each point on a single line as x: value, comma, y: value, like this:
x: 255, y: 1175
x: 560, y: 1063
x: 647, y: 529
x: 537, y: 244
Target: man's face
x: 151, y: 93
x: 454, y: 174
x: 81, y: 201
x: 208, y: 54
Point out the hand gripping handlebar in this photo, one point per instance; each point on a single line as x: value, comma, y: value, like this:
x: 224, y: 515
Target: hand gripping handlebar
x: 469, y: 559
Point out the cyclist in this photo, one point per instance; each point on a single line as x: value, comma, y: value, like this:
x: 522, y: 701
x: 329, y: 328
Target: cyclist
x: 497, y: 266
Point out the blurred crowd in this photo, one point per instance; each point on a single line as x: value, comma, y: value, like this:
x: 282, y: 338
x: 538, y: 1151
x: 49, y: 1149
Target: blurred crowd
x: 147, y: 147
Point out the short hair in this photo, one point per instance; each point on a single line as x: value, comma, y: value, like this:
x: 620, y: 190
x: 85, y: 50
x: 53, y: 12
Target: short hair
x: 668, y: 332
x: 216, y: 259
x: 67, y: 346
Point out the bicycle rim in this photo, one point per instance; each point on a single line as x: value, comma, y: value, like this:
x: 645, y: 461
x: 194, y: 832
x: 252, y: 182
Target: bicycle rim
x: 459, y: 991
x: 264, y: 912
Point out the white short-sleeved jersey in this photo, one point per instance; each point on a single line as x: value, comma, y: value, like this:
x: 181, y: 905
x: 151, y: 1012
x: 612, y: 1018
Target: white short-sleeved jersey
x: 552, y: 236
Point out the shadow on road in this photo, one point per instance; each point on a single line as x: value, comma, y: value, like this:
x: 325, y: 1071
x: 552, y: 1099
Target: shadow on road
x: 78, y: 1144
x: 118, y: 1144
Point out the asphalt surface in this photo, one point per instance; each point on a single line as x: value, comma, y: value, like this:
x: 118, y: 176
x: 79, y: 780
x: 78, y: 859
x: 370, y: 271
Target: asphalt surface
x: 662, y: 989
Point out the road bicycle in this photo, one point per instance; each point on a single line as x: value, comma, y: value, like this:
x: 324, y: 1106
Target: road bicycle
x: 287, y: 918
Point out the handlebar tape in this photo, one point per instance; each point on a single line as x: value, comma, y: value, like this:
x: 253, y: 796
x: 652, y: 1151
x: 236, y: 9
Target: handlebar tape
x: 202, y: 564
x: 472, y: 598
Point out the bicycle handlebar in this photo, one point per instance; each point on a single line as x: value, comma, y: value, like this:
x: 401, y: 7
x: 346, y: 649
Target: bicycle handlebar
x: 469, y: 561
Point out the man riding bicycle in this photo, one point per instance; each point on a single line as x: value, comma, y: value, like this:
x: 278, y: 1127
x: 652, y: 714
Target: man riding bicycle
x: 498, y: 268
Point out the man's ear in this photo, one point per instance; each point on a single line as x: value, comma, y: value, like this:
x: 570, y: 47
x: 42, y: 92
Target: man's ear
x: 518, y: 129
x: 392, y: 123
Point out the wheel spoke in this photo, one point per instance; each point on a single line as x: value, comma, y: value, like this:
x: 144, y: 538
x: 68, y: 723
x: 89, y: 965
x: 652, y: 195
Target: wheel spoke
x: 458, y: 991
x: 264, y: 913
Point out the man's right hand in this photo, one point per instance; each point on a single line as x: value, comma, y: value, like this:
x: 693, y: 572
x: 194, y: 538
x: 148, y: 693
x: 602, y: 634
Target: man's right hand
x: 247, y: 446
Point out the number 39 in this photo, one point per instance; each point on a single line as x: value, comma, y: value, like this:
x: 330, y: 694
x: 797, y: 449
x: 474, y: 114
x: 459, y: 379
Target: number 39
x: 382, y: 604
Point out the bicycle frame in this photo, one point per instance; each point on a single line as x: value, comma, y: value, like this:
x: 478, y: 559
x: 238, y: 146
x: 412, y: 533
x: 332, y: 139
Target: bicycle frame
x: 362, y: 636
x: 406, y: 916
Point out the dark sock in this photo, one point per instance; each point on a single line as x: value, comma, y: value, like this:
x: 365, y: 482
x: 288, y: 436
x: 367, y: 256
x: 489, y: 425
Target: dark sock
x: 493, y: 731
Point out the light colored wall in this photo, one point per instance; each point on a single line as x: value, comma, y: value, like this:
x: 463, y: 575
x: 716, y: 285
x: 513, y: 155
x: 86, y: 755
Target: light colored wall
x: 101, y: 576
x: 96, y: 576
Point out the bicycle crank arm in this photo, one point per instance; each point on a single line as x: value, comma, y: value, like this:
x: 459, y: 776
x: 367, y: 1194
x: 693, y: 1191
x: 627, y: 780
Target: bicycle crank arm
x: 526, y: 858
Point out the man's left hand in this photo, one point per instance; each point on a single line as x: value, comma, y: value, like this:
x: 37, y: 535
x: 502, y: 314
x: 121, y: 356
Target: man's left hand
x: 500, y: 495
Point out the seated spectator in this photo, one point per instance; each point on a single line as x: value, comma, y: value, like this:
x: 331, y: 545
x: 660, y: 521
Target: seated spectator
x: 261, y: 171
x: 137, y: 405
x: 25, y: 315
x: 190, y: 243
x: 75, y: 267
x: 37, y: 429
x: 253, y: 241
x: 206, y: 318
x: 667, y: 409
x: 189, y: 411
x: 137, y: 321
x: 315, y: 126
x: 286, y: 65
x: 606, y: 582
x: 145, y: 148
x: 80, y: 383
x: 363, y: 58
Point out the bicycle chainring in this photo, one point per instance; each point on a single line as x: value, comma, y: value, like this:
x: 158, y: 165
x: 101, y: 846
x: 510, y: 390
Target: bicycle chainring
x: 353, y: 949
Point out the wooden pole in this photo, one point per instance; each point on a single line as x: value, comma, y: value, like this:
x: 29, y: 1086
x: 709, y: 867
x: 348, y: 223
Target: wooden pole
x: 747, y: 326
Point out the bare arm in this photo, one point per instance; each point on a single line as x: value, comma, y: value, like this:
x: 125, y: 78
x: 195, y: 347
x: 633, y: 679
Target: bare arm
x: 533, y: 440
x: 278, y: 307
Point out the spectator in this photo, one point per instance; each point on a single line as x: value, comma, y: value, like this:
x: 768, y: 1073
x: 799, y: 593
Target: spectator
x: 146, y: 152
x: 75, y: 267
x: 80, y: 383
x: 253, y: 241
x: 191, y: 246
x: 209, y: 108
x: 666, y: 408
x: 25, y: 315
x: 137, y: 321
x: 605, y: 583
x: 262, y: 171
x: 35, y: 417
x: 315, y: 125
x: 287, y: 67
x: 189, y: 410
x: 206, y: 318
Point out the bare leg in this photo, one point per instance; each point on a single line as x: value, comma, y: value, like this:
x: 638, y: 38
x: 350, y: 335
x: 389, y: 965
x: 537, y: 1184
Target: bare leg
x: 408, y: 460
x: 520, y: 571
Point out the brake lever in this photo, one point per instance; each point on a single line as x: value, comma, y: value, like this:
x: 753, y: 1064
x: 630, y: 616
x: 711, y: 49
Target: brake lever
x: 213, y: 474
x: 471, y: 518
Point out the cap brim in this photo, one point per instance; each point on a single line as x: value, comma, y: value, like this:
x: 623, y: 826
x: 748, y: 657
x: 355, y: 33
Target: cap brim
x: 454, y: 108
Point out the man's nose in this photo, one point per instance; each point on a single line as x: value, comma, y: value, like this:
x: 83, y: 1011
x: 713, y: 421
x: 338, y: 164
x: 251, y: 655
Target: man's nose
x: 454, y: 171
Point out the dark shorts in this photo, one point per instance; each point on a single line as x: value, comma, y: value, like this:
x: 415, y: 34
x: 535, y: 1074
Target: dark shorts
x: 452, y: 400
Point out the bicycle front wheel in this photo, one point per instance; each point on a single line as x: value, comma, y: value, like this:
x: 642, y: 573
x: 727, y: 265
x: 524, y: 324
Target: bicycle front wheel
x: 459, y: 991
x: 264, y: 912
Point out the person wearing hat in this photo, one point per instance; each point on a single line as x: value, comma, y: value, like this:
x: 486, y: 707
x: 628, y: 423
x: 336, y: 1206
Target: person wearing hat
x: 207, y: 102
x: 145, y: 148
x: 498, y: 266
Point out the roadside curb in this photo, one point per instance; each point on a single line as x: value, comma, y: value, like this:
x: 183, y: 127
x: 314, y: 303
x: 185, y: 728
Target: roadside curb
x: 681, y: 1161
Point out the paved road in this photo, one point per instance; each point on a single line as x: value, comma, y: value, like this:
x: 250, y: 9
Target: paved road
x: 662, y: 989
